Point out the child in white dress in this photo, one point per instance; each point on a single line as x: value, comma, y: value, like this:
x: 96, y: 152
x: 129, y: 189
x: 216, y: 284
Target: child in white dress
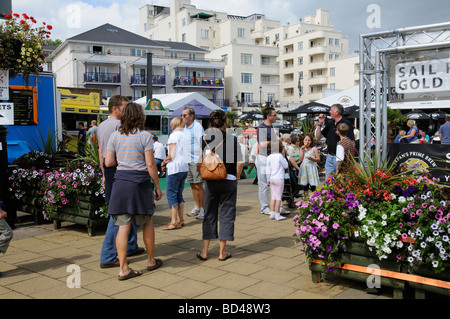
x: 275, y: 169
x: 309, y: 174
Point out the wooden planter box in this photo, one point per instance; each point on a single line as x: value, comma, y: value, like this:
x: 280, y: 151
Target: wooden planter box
x: 84, y: 214
x: 356, y: 262
x: 392, y: 273
x: 30, y: 204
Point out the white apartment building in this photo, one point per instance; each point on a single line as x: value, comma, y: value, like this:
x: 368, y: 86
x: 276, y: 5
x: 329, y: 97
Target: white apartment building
x: 264, y: 61
x: 114, y: 60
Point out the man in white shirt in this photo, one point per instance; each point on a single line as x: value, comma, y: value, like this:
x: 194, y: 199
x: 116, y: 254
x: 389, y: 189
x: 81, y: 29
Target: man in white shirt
x: 195, y: 131
x: 160, y: 154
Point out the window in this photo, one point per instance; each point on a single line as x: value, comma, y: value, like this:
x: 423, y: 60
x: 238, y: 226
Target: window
x: 246, y: 58
x: 277, y: 37
x: 241, y: 33
x: 267, y: 40
x: 330, y: 56
x: 205, y: 33
x: 248, y: 97
x: 300, y: 75
x: 332, y: 86
x: 265, y: 60
x: 300, y: 60
x: 265, y: 79
x: 319, y: 73
x: 270, y: 97
x: 191, y: 56
x: 300, y: 45
x: 246, y: 78
x: 169, y: 25
x: 330, y: 41
x: 183, y: 37
x: 183, y: 22
x: 332, y: 71
x: 173, y: 55
x: 336, y: 41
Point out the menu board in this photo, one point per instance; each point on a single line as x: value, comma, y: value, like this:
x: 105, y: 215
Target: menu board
x: 24, y: 99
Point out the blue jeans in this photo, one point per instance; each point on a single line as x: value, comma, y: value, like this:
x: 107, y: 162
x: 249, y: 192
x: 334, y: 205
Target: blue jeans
x: 330, y: 166
x: 175, y: 187
x: 108, y: 253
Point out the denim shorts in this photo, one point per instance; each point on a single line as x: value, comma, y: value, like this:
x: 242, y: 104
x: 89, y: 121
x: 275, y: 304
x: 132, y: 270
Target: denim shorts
x: 175, y: 187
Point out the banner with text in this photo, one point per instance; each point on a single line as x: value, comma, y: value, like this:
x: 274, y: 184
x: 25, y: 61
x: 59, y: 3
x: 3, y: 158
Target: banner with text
x: 432, y: 158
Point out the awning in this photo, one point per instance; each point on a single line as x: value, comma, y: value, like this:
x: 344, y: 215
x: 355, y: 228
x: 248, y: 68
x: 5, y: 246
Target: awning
x: 202, y: 15
x: 200, y: 64
x: 143, y: 61
x: 100, y: 58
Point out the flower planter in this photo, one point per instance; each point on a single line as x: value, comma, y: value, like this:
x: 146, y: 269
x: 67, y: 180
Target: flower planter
x: 361, y: 264
x: 30, y: 204
x: 83, y: 214
x: 429, y: 281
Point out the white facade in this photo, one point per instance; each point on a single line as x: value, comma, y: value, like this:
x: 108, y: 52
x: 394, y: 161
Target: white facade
x: 304, y: 50
x: 119, y: 68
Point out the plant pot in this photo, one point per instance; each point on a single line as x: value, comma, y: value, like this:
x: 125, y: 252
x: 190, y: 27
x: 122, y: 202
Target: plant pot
x: 436, y: 283
x: 361, y: 264
x: 83, y: 214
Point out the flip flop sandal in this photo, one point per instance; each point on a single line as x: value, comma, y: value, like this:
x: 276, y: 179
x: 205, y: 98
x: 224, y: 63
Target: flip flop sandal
x: 170, y: 226
x: 199, y: 256
x: 228, y: 255
x: 158, y: 263
x: 131, y: 274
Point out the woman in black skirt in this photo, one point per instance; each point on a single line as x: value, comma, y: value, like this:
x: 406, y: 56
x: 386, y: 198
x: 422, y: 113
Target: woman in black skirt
x: 220, y: 196
x: 131, y: 149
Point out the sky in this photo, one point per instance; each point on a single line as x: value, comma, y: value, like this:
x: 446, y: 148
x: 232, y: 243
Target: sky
x: 351, y: 17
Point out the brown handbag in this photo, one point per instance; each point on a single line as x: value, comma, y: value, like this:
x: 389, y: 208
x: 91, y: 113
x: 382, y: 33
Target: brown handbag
x: 212, y: 167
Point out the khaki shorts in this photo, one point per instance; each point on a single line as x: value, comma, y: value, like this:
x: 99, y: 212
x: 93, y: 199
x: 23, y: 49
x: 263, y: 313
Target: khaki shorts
x: 193, y: 176
x: 127, y: 219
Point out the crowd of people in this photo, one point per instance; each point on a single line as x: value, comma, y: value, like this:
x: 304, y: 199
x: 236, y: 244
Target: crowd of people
x: 132, y: 161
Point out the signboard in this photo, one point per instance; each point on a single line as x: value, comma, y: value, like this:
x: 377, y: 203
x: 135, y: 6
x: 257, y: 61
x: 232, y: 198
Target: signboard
x: 155, y: 107
x: 4, y: 85
x: 24, y: 99
x: 6, y: 114
x: 423, y: 76
x: 431, y: 158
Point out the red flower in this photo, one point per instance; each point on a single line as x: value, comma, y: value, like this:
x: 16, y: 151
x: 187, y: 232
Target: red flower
x: 49, y: 27
x: 16, y: 15
x: 8, y: 16
x: 22, y: 22
x: 25, y: 16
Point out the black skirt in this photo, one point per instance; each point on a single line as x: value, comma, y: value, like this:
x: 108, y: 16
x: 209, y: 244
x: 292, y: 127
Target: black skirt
x: 132, y: 193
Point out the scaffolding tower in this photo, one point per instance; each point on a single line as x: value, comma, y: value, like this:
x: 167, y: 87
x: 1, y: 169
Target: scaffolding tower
x: 374, y: 58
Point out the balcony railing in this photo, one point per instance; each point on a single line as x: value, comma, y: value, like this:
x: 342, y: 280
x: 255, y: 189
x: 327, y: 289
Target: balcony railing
x: 98, y: 77
x: 221, y: 102
x: 199, y: 82
x: 142, y: 79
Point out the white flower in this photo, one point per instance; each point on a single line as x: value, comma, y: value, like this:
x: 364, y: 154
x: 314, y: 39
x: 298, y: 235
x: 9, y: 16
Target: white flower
x: 401, y: 199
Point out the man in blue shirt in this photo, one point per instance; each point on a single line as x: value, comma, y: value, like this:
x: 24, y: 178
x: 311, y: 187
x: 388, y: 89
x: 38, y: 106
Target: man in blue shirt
x: 195, y: 132
x: 444, y: 131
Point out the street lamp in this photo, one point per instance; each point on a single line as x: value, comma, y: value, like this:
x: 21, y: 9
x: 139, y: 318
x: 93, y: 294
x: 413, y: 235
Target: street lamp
x: 260, y: 92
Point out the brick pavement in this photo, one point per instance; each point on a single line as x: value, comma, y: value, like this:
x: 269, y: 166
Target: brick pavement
x: 265, y: 262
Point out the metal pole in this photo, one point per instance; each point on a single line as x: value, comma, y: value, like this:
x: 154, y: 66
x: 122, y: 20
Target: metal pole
x: 377, y: 104
x: 149, y: 76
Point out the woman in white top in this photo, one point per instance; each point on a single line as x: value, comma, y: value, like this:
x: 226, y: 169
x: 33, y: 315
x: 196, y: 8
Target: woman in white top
x: 177, y: 168
x: 275, y: 169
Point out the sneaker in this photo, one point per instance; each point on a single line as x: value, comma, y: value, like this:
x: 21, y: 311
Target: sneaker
x: 279, y: 217
x: 284, y: 211
x: 272, y: 215
x: 266, y: 211
x: 194, y: 212
x: 201, y: 214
